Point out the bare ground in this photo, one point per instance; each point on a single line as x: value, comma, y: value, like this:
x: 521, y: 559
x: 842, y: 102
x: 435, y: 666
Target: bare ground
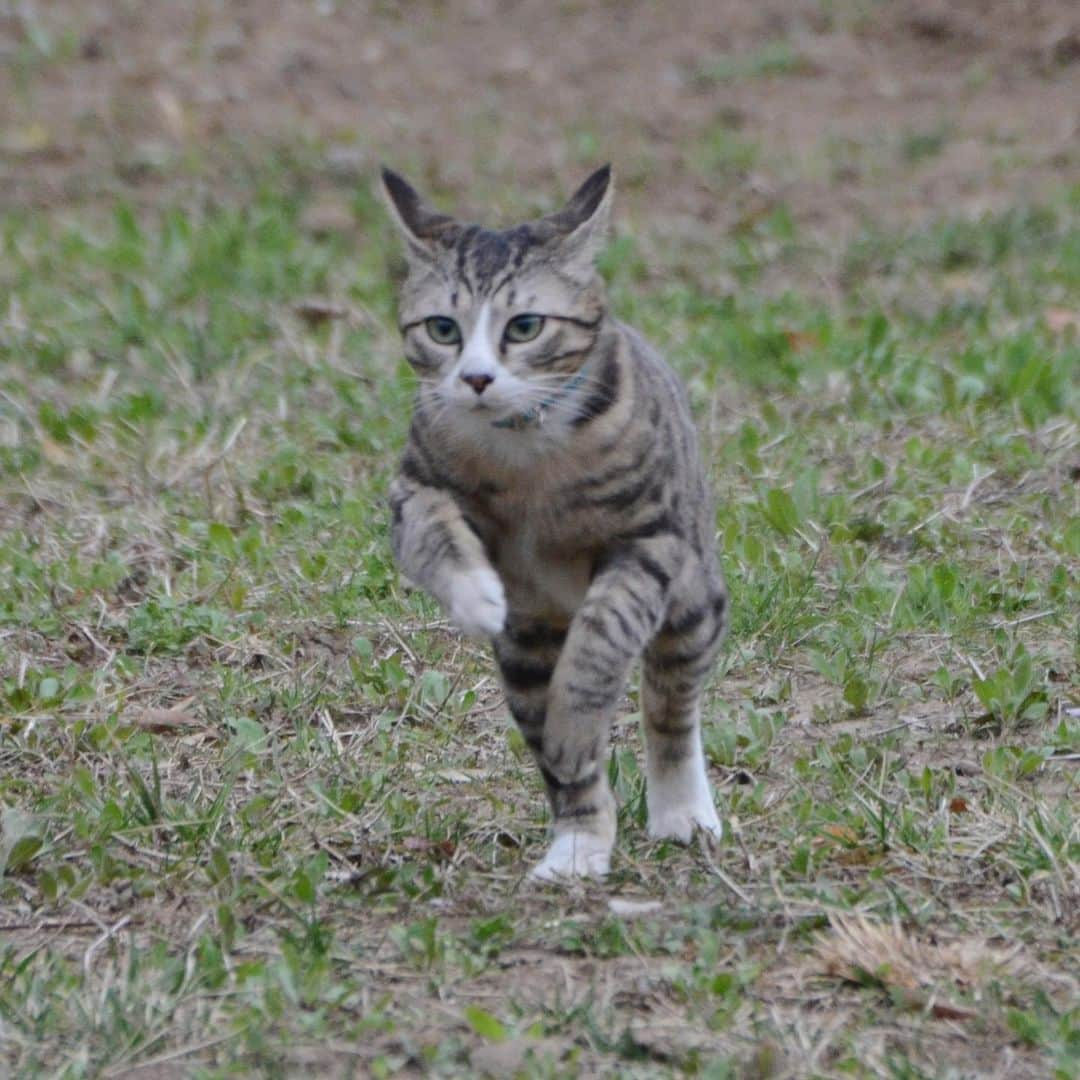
x: 848, y: 112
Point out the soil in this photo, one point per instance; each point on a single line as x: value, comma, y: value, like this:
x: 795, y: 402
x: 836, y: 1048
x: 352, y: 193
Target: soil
x: 854, y: 111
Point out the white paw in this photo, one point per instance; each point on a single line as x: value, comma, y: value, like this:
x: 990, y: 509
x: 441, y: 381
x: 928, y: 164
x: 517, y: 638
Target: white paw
x: 678, y: 820
x: 678, y: 796
x: 574, y: 855
x: 476, y: 602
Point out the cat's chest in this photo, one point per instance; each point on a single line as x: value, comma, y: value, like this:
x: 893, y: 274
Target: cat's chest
x: 540, y: 575
x: 544, y: 560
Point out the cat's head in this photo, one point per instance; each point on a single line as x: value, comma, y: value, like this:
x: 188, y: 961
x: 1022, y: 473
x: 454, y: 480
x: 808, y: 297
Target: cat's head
x: 496, y: 322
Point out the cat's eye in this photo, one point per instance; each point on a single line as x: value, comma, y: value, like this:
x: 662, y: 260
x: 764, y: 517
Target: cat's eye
x: 443, y: 331
x: 523, y: 328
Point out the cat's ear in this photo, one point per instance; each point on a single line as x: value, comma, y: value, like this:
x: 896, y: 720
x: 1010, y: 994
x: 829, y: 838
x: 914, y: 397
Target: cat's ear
x: 421, y: 225
x: 584, y: 222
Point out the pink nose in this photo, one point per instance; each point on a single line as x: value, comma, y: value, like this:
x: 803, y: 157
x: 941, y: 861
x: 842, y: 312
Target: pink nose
x: 478, y: 382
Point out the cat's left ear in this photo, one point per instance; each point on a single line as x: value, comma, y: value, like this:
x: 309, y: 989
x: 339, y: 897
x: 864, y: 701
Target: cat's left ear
x: 585, y: 221
x: 421, y: 226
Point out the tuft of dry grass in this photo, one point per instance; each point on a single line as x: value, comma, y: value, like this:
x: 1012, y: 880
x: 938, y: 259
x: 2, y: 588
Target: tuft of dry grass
x: 923, y: 971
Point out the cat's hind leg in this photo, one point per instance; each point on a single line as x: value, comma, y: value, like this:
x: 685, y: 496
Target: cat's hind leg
x: 583, y: 808
x: 675, y: 670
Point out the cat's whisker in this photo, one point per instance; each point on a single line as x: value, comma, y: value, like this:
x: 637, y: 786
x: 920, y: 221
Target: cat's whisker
x: 552, y: 390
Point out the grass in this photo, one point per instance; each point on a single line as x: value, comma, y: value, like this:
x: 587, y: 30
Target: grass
x: 773, y: 58
x: 263, y: 812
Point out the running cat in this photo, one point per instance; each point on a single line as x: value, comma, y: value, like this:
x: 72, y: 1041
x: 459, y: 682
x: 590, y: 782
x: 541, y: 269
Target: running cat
x: 552, y: 499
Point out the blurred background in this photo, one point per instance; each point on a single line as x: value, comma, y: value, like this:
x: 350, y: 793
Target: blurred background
x: 715, y: 112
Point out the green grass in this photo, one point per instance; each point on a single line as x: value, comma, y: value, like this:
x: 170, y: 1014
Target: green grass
x: 773, y: 58
x: 263, y: 812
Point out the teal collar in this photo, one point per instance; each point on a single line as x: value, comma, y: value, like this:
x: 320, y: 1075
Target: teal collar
x: 535, y: 415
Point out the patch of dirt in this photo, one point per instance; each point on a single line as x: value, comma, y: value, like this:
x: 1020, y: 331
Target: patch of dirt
x: 712, y: 112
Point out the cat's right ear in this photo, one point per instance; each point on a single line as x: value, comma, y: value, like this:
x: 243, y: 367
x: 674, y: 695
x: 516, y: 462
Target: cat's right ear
x: 584, y: 222
x: 420, y: 225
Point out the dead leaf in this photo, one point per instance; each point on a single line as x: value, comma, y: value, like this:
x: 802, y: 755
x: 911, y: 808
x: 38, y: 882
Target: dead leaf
x: 174, y: 721
x: 843, y: 833
x: 941, y: 1010
x: 441, y: 848
x: 1060, y: 320
x: 327, y: 216
x: 316, y: 310
x: 801, y: 340
x: 859, y: 856
x: 959, y: 805
x: 53, y: 452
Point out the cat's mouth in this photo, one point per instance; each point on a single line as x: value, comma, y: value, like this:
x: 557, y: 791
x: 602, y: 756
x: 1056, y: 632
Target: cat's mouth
x: 495, y: 413
x: 489, y: 408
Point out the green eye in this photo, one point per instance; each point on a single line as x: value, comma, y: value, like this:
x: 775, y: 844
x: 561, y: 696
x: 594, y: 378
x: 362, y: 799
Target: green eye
x: 523, y: 327
x: 443, y: 331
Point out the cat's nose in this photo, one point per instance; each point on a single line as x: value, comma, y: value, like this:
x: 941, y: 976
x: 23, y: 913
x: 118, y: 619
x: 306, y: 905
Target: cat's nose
x: 479, y: 382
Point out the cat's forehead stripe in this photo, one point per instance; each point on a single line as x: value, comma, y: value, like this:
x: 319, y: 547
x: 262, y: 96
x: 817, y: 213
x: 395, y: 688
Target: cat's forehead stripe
x: 463, y: 244
x: 485, y: 255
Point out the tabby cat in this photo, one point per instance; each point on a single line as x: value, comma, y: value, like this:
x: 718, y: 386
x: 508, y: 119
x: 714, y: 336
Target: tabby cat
x: 552, y: 499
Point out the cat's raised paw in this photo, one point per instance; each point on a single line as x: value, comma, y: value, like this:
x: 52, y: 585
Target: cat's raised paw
x: 476, y: 603
x: 574, y: 855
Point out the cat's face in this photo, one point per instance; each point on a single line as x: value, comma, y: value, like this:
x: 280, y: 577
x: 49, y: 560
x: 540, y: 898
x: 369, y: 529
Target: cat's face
x: 496, y: 322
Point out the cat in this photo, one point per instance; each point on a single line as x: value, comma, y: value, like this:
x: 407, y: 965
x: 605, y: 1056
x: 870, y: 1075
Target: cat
x: 552, y: 499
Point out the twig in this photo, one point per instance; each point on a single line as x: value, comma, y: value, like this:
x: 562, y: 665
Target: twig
x: 50, y: 924
x: 96, y: 944
x: 725, y: 880
x: 966, y: 500
x: 1024, y: 619
x: 970, y: 661
x: 172, y: 1055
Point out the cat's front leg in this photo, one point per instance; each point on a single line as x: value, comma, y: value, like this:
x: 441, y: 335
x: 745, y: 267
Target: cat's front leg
x: 527, y: 653
x: 622, y: 609
x: 436, y: 548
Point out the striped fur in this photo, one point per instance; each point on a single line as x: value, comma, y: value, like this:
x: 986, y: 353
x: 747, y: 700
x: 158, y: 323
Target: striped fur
x: 551, y: 497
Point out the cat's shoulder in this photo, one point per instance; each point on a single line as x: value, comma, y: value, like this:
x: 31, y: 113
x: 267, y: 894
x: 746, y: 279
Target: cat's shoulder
x: 647, y: 358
